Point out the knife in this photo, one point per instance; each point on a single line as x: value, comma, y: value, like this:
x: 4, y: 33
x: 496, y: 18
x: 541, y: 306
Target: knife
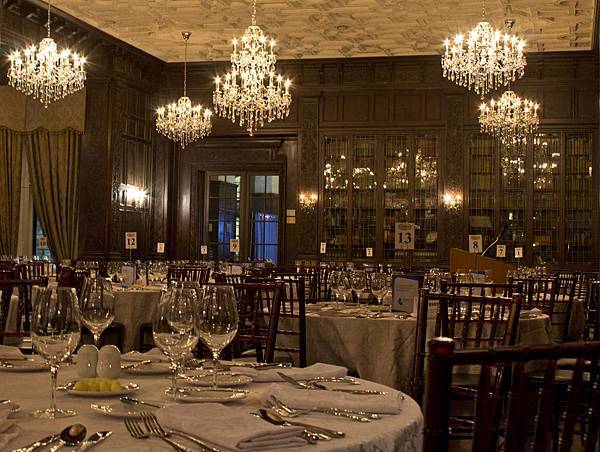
x: 39, y: 444
x: 296, y: 383
x: 92, y: 440
x: 138, y: 364
x: 133, y: 401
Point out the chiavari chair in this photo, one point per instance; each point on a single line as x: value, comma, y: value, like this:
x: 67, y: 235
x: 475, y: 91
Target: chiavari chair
x: 199, y: 274
x: 23, y: 289
x: 500, y: 423
x: 482, y: 289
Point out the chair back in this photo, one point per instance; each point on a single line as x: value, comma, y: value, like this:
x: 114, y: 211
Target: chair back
x: 291, y: 331
x: 481, y: 289
x: 258, y: 308
x: 72, y: 277
x: 500, y: 426
x: 592, y: 314
x: 22, y: 288
x: 473, y: 321
x: 199, y: 274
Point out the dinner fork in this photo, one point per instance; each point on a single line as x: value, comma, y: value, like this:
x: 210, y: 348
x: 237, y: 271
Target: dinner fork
x: 154, y: 426
x: 135, y: 429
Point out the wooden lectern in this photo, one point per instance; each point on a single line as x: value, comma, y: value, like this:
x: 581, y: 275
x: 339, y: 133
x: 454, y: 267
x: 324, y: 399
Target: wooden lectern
x: 460, y: 259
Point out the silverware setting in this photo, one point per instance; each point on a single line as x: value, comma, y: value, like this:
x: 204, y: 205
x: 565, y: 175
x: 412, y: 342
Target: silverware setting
x: 275, y: 418
x: 139, y: 430
x: 286, y: 411
x: 71, y: 436
x: 138, y: 364
x: 46, y: 441
x: 311, y: 438
x: 311, y: 384
x: 132, y: 401
x: 92, y: 440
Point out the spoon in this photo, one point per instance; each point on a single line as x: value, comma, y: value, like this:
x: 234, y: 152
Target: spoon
x: 313, y: 428
x: 312, y: 432
x: 71, y: 436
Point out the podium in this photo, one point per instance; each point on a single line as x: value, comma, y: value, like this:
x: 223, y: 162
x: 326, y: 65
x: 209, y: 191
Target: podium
x: 460, y: 259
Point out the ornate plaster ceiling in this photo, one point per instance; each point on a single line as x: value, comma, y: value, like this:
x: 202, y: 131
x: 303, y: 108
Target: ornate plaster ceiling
x: 330, y: 28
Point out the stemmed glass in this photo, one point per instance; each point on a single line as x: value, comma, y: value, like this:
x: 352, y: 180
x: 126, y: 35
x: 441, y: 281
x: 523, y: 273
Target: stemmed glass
x: 217, y: 320
x: 55, y: 333
x: 173, y: 326
x: 380, y: 286
x: 334, y: 285
x: 97, y: 305
x: 358, y: 281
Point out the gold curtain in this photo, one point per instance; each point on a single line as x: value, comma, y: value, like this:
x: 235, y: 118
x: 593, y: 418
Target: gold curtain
x: 54, y: 167
x: 11, y: 160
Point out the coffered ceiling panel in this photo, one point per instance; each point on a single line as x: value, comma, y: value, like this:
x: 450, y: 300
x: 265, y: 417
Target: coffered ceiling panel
x: 331, y: 28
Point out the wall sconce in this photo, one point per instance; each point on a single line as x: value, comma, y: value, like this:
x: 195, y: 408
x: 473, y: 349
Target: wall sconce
x: 452, y: 201
x: 308, y: 201
x: 132, y: 196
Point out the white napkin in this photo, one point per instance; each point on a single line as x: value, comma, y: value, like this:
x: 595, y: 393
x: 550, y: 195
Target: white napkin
x: 9, y: 430
x: 229, y: 427
x: 154, y: 354
x: 306, y: 373
x: 9, y: 352
x: 306, y: 399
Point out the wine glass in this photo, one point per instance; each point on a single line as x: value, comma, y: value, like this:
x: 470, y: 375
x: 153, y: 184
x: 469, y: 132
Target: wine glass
x: 380, y: 286
x: 334, y: 284
x: 97, y: 305
x: 55, y: 333
x: 173, y: 326
x: 358, y: 281
x: 217, y: 320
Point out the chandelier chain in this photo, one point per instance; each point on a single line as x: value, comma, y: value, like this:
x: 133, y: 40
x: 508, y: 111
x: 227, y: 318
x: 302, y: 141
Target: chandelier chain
x: 185, y: 65
x: 253, y: 12
x: 483, y: 11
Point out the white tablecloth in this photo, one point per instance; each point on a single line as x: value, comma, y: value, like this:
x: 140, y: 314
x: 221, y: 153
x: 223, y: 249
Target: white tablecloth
x: 132, y: 309
x: 382, y: 349
x: 400, y: 432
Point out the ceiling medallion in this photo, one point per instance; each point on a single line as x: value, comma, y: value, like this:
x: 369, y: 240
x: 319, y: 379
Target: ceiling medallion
x: 45, y: 73
x: 183, y: 122
x: 486, y: 59
x: 252, y: 92
x: 509, y: 118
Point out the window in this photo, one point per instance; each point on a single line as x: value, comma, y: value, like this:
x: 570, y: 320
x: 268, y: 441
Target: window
x: 40, y: 242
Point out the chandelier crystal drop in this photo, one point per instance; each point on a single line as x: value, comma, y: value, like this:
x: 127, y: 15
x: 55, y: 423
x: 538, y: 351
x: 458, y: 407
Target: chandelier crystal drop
x: 252, y: 93
x: 181, y: 121
x: 509, y: 118
x: 44, y: 72
x: 484, y: 60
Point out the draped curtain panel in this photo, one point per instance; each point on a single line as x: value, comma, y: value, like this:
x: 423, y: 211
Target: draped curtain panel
x: 54, y: 166
x: 11, y: 160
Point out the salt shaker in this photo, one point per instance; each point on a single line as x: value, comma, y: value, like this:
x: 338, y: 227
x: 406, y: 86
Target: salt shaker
x: 87, y: 359
x: 109, y: 362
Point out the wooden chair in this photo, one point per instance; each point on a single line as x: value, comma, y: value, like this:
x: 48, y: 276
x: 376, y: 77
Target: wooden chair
x: 72, y: 277
x: 258, y: 309
x: 199, y: 274
x: 481, y: 289
x: 474, y: 321
x: 292, y: 310
x: 23, y: 289
x: 497, y: 428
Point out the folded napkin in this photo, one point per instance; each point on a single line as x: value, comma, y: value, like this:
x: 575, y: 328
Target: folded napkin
x: 9, y: 430
x: 9, y: 352
x: 306, y: 399
x: 306, y: 373
x: 231, y: 428
x: 154, y: 354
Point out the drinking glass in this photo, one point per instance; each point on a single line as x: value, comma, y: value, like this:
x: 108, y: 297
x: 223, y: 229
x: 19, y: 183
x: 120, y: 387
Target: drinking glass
x: 173, y: 326
x: 97, y: 305
x: 334, y: 284
x: 358, y: 281
x: 380, y: 286
x: 55, y: 333
x: 217, y: 320
x: 345, y: 285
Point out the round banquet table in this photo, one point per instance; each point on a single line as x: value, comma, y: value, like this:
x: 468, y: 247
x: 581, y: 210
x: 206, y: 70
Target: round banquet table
x: 401, y: 432
x: 382, y: 349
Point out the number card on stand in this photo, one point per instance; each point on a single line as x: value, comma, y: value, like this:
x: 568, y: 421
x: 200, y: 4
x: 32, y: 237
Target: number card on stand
x: 204, y: 250
x: 501, y: 251
x: 475, y: 243
x: 234, y: 245
x: 43, y: 242
x: 369, y: 252
x: 519, y: 252
x: 405, y: 292
x: 131, y: 240
x: 160, y: 247
x: 405, y: 236
x: 323, y: 248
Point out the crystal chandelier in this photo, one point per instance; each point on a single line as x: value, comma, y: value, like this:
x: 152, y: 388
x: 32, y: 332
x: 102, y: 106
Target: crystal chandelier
x: 510, y: 118
x: 252, y: 92
x: 486, y: 59
x: 45, y: 73
x: 183, y: 122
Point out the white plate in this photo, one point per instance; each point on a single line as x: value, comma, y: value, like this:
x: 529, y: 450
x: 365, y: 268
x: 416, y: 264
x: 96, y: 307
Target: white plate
x: 128, y: 389
x: 220, y: 395
x: 24, y: 365
x: 120, y: 410
x: 150, y: 369
x: 224, y: 379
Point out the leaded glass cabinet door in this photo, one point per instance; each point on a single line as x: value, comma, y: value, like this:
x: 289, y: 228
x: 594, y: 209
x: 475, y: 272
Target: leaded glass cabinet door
x: 513, y: 198
x: 364, y: 196
x: 579, y: 198
x: 335, y: 199
x: 482, y: 187
x: 426, y: 198
x: 547, y: 168
x: 396, y: 191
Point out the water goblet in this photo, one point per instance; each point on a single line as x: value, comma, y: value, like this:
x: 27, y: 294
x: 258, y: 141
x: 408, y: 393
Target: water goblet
x: 97, y: 305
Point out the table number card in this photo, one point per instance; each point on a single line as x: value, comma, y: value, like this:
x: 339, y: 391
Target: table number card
x: 160, y: 247
x: 369, y: 252
x: 405, y: 292
x: 131, y: 240
x: 519, y: 252
x: 204, y: 250
x: 475, y: 243
x: 323, y: 248
x: 42, y: 242
x: 405, y: 236
x: 234, y: 245
x: 501, y: 251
